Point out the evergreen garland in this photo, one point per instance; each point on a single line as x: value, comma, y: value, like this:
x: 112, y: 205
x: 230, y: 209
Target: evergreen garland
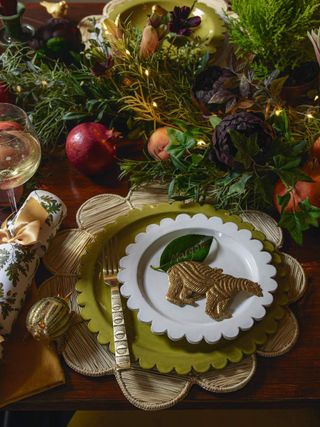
x: 273, y: 33
x: 137, y: 95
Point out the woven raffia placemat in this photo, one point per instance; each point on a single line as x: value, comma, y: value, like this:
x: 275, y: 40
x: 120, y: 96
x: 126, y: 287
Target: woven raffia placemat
x: 149, y: 389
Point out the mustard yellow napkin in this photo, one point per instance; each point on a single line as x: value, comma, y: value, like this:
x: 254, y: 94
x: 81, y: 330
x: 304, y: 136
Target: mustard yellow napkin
x: 28, y: 367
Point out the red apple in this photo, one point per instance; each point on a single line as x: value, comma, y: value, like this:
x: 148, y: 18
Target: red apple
x: 158, y: 143
x: 8, y: 125
x: 90, y: 149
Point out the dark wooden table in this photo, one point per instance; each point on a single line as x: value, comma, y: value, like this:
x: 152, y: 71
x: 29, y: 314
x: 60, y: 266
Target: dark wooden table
x: 289, y: 381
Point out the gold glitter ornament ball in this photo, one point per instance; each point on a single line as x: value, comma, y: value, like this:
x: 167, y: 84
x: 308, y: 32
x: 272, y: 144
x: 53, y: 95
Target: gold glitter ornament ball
x: 49, y: 319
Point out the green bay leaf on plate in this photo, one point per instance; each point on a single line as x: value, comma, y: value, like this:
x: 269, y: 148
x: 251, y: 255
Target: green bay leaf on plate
x: 192, y: 247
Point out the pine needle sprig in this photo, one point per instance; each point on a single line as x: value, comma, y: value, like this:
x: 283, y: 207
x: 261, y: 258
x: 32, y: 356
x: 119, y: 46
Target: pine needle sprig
x: 273, y: 33
x: 305, y: 123
x: 157, y: 89
x: 54, y: 94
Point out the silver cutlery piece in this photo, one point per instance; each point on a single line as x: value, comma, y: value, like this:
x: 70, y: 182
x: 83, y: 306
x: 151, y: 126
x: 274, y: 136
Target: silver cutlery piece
x: 110, y: 271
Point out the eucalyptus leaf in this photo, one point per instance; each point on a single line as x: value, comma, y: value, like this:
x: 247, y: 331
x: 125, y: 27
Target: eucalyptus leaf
x: 192, y: 247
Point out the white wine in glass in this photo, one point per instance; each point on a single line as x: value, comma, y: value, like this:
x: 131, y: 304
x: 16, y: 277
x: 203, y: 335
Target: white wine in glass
x: 20, y: 151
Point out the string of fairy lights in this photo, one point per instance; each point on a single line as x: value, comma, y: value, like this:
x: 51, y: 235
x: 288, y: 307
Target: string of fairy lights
x: 311, y: 114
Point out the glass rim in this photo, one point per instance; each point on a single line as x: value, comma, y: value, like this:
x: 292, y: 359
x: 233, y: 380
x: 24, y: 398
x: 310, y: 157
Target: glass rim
x: 24, y: 113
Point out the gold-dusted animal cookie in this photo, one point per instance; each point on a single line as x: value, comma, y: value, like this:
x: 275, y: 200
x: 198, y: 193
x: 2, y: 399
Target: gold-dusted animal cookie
x: 190, y: 281
x: 225, y: 288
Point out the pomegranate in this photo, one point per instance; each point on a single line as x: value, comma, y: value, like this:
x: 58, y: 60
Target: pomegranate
x: 157, y: 144
x: 90, y: 147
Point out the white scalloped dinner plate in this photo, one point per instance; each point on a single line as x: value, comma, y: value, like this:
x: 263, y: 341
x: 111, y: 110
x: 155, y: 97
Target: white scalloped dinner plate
x: 233, y: 250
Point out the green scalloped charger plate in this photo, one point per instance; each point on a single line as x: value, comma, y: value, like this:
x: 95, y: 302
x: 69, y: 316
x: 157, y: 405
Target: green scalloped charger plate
x: 211, y: 29
x: 158, y: 351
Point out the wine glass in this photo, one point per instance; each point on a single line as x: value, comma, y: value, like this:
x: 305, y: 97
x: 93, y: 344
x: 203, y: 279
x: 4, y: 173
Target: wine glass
x: 20, y: 151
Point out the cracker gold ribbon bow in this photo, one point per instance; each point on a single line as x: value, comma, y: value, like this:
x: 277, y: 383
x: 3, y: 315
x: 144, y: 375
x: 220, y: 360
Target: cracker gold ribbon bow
x: 26, y: 225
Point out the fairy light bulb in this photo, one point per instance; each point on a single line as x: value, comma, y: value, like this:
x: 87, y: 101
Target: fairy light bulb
x: 147, y: 73
x: 154, y: 104
x: 310, y: 116
x: 278, y: 111
x: 316, y: 98
x: 201, y: 143
x: 127, y: 52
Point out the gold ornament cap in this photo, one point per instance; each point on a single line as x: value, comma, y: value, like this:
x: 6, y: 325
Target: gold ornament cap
x: 56, y: 10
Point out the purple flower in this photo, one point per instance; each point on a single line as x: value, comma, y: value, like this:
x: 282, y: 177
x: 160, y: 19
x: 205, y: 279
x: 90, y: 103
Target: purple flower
x: 180, y: 23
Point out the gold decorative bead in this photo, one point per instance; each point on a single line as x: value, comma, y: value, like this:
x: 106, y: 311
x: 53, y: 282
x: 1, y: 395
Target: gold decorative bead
x: 49, y: 319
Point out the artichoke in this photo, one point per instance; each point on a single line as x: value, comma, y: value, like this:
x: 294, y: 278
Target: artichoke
x: 216, y: 89
x: 247, y: 124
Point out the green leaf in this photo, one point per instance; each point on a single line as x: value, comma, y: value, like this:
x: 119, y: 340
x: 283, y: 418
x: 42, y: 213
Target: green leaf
x: 75, y: 116
x: 180, y: 142
x: 288, y: 171
x: 284, y: 200
x: 178, y: 164
x: 263, y: 189
x: 276, y: 86
x: 56, y: 44
x: 214, y: 120
x: 302, y: 219
x: 171, y: 188
x: 196, y: 159
x: 192, y: 247
x: 239, y: 186
x: 287, y: 163
x: 298, y: 148
x: 292, y: 222
x: 281, y: 123
x: 247, y: 148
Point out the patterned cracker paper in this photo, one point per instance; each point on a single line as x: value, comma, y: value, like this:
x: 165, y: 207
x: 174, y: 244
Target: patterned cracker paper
x: 18, y: 263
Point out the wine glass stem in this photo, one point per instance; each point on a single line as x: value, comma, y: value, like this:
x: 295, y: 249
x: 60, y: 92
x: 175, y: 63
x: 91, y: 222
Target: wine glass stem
x: 12, y: 200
